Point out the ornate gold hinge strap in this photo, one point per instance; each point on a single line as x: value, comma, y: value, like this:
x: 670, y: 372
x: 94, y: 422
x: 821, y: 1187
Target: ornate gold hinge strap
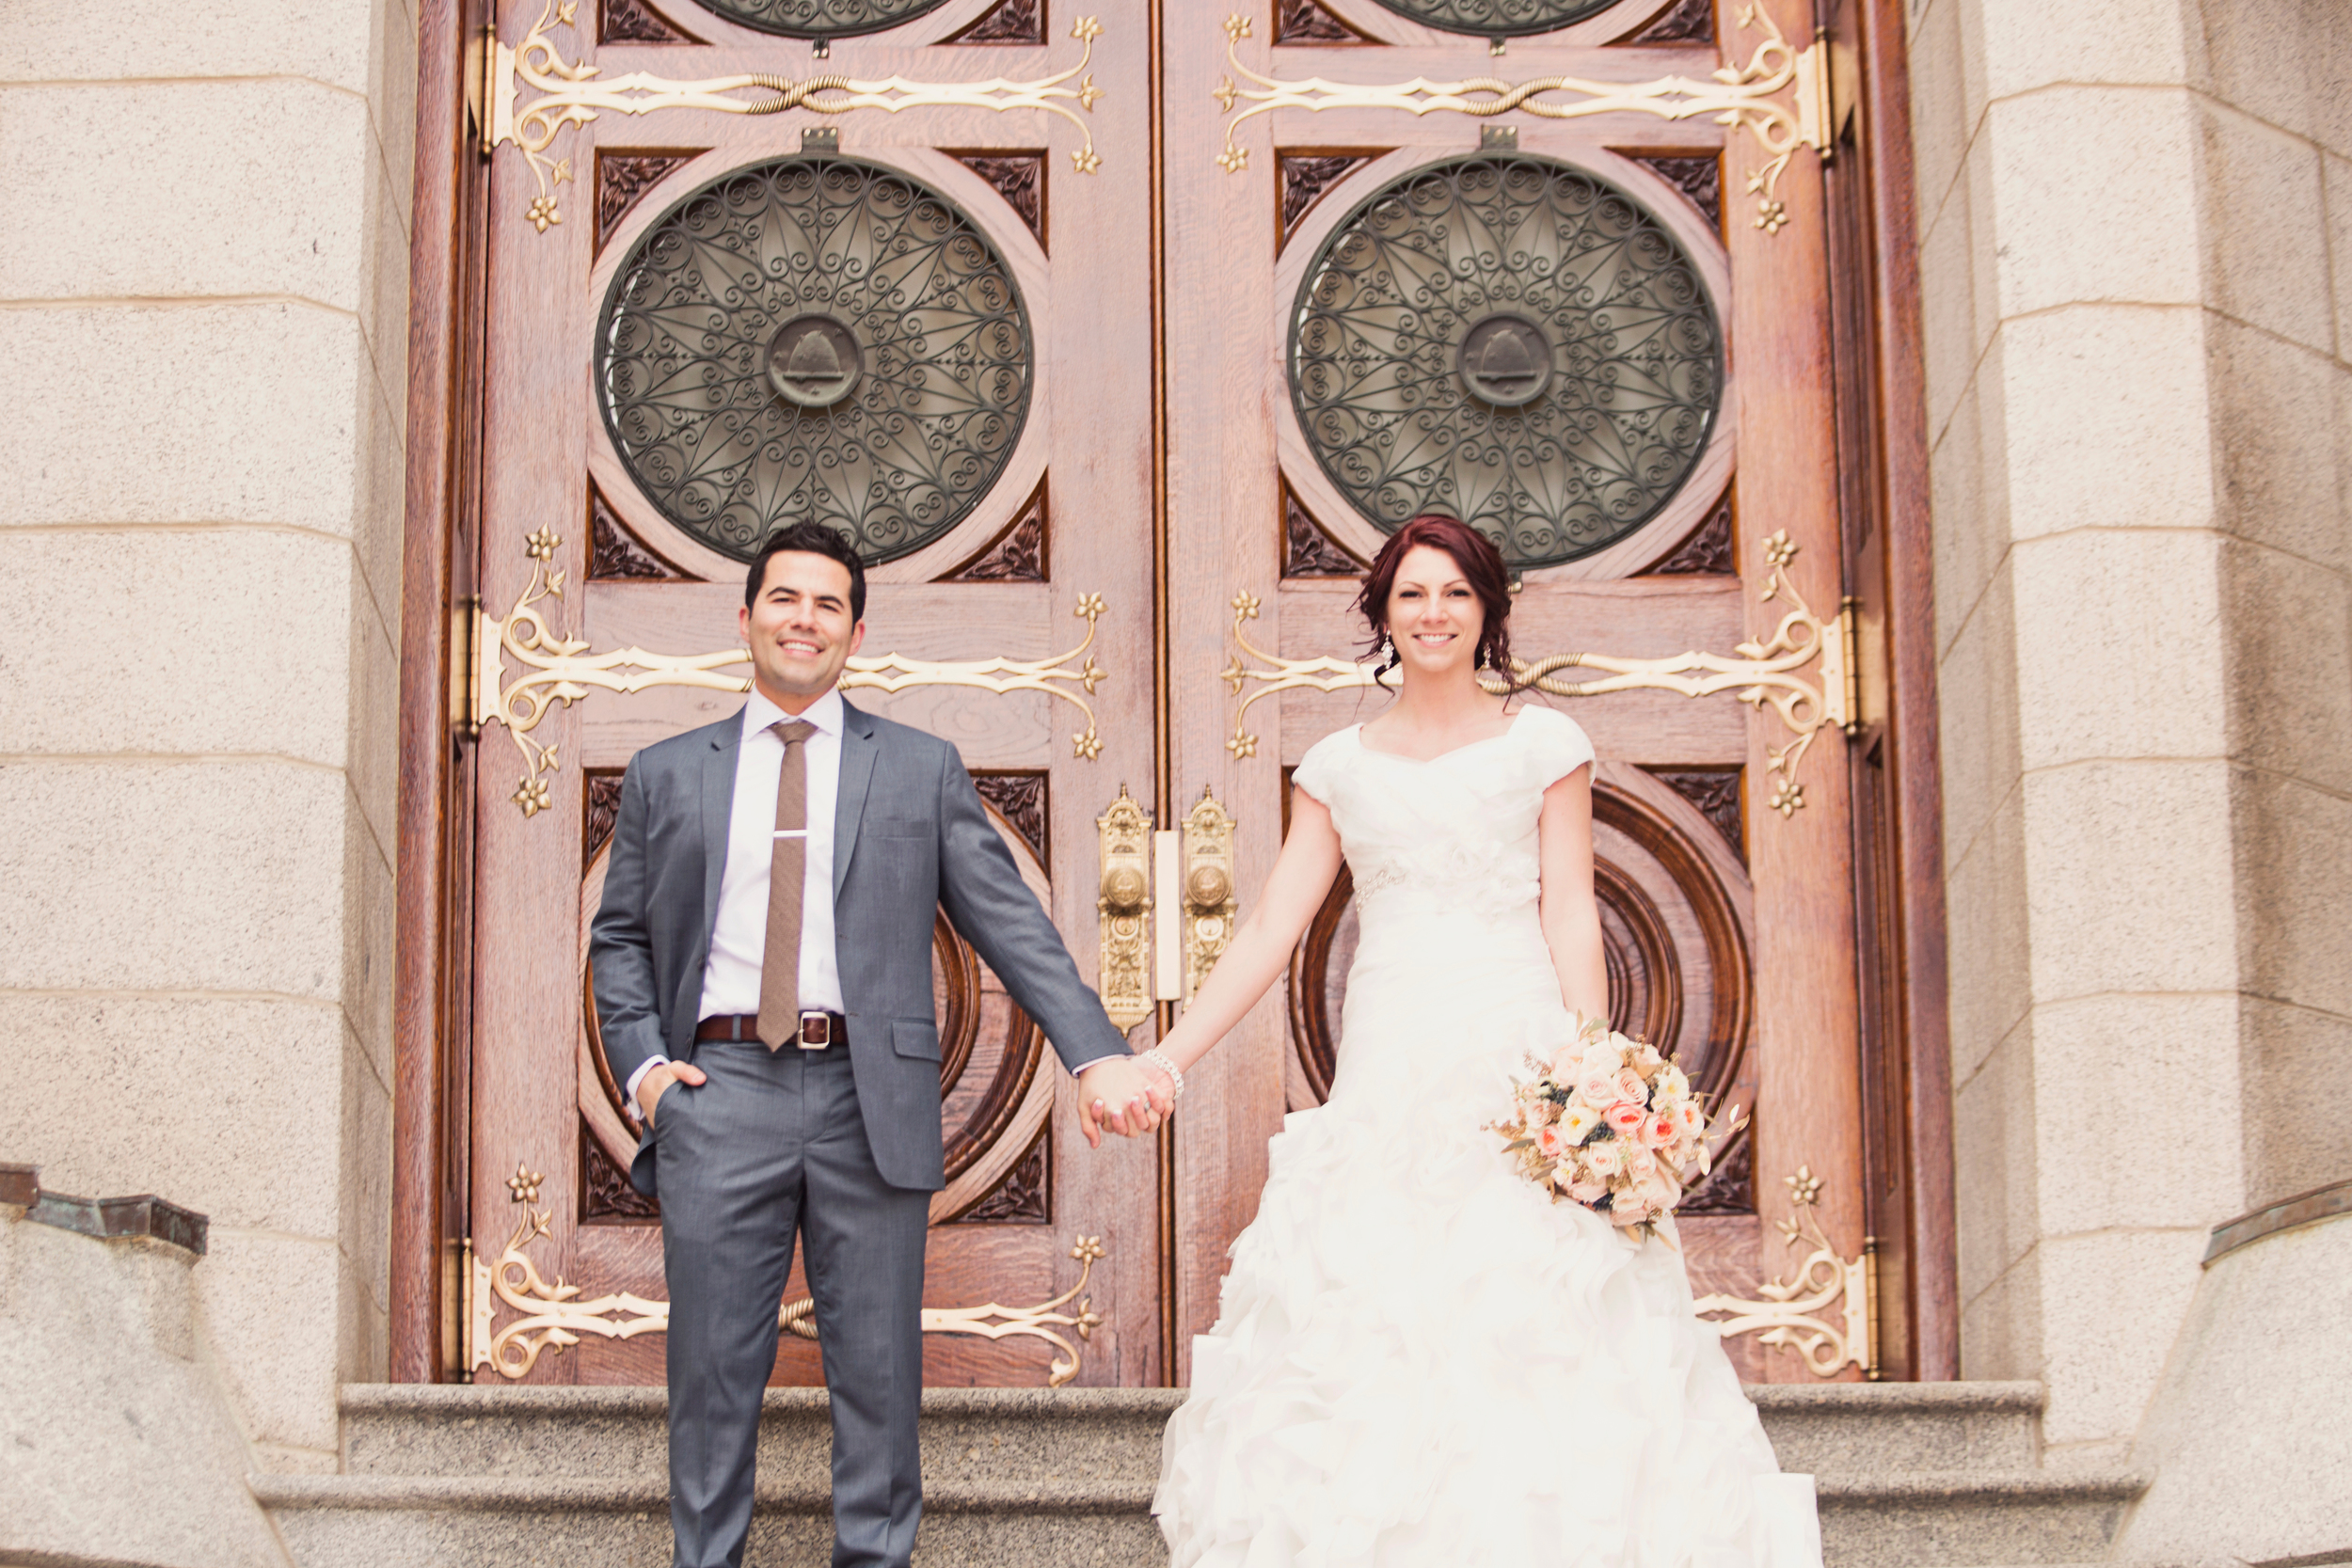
x: 1764, y: 673
x: 570, y: 94
x: 555, y: 1316
x: 1794, y: 1311
x: 561, y: 670
x: 1747, y: 95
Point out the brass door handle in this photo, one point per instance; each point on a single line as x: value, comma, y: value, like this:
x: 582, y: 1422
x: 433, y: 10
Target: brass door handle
x: 1124, y: 909
x: 1169, y: 893
x: 1206, y: 897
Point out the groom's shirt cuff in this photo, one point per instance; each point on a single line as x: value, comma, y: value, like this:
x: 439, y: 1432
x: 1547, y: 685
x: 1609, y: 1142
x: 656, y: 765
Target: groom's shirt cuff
x: 628, y: 1099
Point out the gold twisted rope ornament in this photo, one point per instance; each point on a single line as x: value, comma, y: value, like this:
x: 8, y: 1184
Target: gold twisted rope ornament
x: 1764, y: 673
x: 559, y: 669
x: 555, y: 1316
x: 1746, y: 95
x: 570, y: 94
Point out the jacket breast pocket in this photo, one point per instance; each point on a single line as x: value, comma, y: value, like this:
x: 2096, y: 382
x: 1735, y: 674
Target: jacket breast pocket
x: 915, y: 1036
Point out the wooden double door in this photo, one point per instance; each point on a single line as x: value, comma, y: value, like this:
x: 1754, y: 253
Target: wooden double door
x: 1117, y: 384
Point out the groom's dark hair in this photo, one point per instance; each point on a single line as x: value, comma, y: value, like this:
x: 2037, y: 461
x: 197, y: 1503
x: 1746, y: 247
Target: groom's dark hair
x: 810, y: 539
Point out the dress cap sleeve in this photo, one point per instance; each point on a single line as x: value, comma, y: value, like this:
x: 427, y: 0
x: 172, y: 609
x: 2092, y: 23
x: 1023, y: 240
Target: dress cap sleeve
x: 1316, y: 769
x: 1556, y: 742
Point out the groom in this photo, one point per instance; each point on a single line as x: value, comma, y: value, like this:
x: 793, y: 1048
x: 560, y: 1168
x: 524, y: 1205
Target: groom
x: 763, y: 980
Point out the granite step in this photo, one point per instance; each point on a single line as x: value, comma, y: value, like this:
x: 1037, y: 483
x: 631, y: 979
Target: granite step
x: 1919, y: 1521
x: 1104, y: 1434
x: 1108, y: 1436
x: 1909, y: 1476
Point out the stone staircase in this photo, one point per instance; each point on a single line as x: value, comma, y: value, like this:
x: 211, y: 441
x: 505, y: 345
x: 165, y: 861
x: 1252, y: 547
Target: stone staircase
x: 1910, y: 1476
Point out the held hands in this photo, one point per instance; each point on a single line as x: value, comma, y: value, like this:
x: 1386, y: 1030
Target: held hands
x: 1120, y: 1093
x: 650, y: 1088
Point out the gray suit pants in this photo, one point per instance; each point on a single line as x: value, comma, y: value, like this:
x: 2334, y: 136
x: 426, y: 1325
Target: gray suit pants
x: 774, y: 1146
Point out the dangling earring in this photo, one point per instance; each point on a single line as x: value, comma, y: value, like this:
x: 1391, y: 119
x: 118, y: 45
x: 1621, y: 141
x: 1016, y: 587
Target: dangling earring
x: 1387, y: 653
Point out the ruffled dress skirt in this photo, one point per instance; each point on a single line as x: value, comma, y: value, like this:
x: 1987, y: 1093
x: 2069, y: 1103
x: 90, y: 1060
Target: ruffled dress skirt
x: 1421, y: 1362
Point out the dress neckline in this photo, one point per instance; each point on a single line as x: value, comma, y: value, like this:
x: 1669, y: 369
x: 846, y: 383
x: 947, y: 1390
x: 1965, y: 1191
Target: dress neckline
x: 1508, y: 730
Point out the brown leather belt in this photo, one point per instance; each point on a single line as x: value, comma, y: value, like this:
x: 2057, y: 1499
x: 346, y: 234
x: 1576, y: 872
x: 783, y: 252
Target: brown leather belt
x: 818, y: 1029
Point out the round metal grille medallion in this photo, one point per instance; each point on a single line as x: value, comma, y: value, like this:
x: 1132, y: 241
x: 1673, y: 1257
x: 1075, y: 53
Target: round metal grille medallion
x: 1511, y: 340
x: 821, y: 18
x: 817, y: 339
x: 1498, y: 19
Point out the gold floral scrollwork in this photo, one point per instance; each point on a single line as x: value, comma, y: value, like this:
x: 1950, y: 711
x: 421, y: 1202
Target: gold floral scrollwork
x: 571, y: 94
x: 1746, y: 96
x: 553, y: 1317
x: 1042, y: 1322
x: 1794, y: 1311
x: 559, y: 669
x: 1764, y: 673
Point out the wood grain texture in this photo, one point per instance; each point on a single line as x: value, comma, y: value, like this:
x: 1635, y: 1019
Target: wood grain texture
x: 420, y: 1224
x: 1222, y: 497
x: 1092, y: 345
x: 1911, y: 659
x: 1217, y: 310
x: 1808, y: 1107
x: 1725, y: 1253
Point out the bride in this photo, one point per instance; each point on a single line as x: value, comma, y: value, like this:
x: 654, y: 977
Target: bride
x: 1421, y: 1362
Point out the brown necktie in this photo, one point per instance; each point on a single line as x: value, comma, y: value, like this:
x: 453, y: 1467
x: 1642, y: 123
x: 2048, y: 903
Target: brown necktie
x: 788, y: 867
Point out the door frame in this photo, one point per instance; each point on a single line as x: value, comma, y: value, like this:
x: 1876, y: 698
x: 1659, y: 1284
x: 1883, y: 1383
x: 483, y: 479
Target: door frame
x: 1879, y: 373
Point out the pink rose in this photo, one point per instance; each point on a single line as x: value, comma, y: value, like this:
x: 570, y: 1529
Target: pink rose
x: 1628, y: 1209
x: 1657, y: 1130
x: 1550, y: 1144
x: 1599, y: 1087
x: 1630, y: 1086
x: 1641, y: 1165
x: 1603, y: 1159
x: 1624, y: 1118
x: 1647, y: 1061
x: 1588, y: 1193
x: 1690, y: 1119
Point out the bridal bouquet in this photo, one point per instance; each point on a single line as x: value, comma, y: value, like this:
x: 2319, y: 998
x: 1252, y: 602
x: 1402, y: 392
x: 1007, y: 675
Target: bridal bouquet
x: 1611, y: 1123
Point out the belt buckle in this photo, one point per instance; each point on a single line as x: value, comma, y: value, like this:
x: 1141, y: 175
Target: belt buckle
x: 816, y: 1031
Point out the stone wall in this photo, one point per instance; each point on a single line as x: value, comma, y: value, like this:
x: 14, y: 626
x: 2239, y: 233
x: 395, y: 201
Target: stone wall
x: 203, y: 282
x: 2136, y: 264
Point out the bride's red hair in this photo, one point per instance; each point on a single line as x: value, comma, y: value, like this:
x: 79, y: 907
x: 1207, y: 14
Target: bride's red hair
x: 1482, y: 568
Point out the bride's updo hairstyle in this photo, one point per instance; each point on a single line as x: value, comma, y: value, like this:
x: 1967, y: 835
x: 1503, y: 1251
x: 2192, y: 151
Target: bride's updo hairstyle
x: 1482, y: 568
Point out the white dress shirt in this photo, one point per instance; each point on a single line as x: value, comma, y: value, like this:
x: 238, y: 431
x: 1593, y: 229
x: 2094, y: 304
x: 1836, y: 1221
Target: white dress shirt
x: 738, y: 941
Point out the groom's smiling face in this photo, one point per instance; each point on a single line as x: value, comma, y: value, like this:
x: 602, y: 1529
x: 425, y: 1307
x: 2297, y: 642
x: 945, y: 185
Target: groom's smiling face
x: 798, y: 629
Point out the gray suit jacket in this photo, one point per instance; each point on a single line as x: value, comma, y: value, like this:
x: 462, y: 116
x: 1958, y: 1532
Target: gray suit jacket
x: 910, y: 837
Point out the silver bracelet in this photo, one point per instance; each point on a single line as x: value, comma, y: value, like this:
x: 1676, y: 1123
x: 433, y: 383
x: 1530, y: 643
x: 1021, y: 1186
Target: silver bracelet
x: 1158, y: 1058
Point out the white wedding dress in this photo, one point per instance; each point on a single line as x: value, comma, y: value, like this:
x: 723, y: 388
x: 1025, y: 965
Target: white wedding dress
x: 1421, y: 1362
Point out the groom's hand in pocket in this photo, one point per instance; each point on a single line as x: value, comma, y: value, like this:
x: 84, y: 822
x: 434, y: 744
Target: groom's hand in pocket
x: 651, y: 1086
x: 1114, y: 1093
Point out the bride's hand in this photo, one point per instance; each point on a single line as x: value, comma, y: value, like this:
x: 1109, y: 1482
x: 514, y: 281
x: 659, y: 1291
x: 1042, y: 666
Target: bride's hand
x: 1115, y: 1093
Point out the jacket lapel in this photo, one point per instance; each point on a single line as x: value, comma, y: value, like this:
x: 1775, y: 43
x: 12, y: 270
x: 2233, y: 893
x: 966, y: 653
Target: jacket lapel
x: 858, y: 747
x: 718, y: 794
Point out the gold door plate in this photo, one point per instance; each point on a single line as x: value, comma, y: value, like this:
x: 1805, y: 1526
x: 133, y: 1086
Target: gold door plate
x: 1123, y: 906
x: 1208, y: 889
